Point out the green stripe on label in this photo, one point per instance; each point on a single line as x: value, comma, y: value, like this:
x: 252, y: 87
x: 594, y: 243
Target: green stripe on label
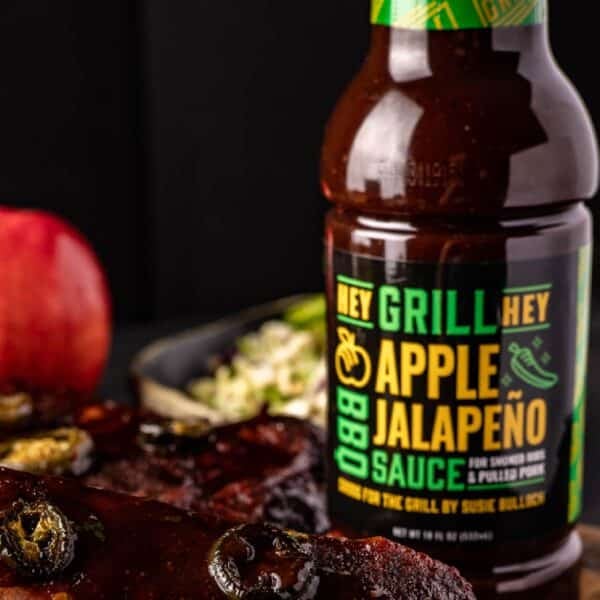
x: 508, y: 486
x: 579, y: 392
x: 356, y: 322
x: 457, y: 14
x: 355, y: 282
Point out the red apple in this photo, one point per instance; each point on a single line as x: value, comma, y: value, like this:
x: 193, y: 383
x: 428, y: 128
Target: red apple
x: 55, y: 316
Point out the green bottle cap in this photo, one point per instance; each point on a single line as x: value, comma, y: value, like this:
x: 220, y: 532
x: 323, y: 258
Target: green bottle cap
x: 447, y: 15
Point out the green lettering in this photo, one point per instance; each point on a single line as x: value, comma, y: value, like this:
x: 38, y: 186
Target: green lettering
x: 352, y: 433
x: 415, y: 311
x: 396, y: 475
x: 379, y: 459
x: 481, y: 328
x: 435, y: 483
x: 453, y: 328
x: 389, y: 308
x: 352, y: 404
x: 455, y: 465
x: 436, y: 312
x: 416, y: 472
x: 351, y: 462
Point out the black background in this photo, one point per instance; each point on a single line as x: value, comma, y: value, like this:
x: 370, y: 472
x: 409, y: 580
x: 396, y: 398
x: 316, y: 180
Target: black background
x: 183, y: 137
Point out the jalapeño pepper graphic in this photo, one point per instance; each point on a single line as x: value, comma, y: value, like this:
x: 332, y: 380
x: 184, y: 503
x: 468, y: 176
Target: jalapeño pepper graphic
x: 525, y: 366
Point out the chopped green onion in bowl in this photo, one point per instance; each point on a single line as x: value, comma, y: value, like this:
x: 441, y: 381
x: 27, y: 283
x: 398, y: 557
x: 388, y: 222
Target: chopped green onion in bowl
x: 280, y: 366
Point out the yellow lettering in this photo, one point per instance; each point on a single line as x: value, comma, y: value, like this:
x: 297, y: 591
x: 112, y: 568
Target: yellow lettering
x: 487, y: 370
x: 412, y: 363
x: 514, y: 427
x: 417, y: 429
x: 342, y: 298
x: 441, y: 364
x: 365, y: 304
x: 537, y: 422
x: 380, y: 436
x: 463, y: 391
x: 442, y: 435
x: 528, y: 308
x: 543, y: 300
x: 492, y: 426
x: 511, y: 307
x: 387, y: 371
x: 354, y: 303
x: 469, y: 422
x: 399, y: 436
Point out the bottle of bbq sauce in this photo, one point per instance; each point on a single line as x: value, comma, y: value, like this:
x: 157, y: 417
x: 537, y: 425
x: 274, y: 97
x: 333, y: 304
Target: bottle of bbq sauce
x: 458, y: 279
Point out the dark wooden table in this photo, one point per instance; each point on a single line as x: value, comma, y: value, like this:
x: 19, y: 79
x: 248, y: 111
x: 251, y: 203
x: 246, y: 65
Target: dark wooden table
x: 130, y: 340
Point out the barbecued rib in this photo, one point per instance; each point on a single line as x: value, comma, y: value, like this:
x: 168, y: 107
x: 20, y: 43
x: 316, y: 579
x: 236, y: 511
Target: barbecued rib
x: 266, y: 469
x: 98, y: 544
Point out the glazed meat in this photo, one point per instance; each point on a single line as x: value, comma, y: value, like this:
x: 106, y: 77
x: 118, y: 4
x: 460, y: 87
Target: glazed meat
x: 64, y: 541
x: 33, y: 409
x: 267, y: 469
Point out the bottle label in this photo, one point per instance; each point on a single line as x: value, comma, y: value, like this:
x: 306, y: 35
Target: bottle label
x: 457, y: 14
x: 457, y: 396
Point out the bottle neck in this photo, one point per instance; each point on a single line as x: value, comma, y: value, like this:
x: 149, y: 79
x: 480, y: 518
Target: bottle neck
x: 467, y: 40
